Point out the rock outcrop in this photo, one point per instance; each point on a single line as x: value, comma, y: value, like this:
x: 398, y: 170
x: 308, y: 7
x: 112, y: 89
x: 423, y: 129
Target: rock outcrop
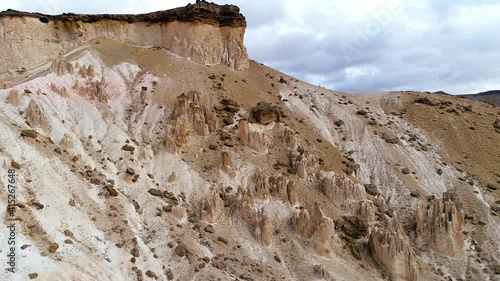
x: 348, y: 195
x: 284, y: 189
x: 275, y: 186
x: 212, y: 207
x: 290, y: 139
x: 13, y: 98
x: 258, y: 221
x: 392, y: 250
x: 36, y: 117
x: 203, y: 32
x: 317, y: 227
x: 227, y: 164
x: 250, y: 137
x: 188, y: 115
x: 301, y: 162
x: 440, y: 223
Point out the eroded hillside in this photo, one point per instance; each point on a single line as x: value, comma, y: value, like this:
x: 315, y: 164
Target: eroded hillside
x: 134, y: 163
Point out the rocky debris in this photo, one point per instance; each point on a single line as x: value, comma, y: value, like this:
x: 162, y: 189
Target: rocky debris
x: 212, y: 207
x: 68, y: 233
x: 36, y: 117
x: 405, y: 171
x: 347, y: 195
x: 15, y: 165
x: 151, y: 274
x: 188, y: 115
x: 29, y: 134
x: 128, y: 147
x: 440, y: 223
x: 339, y: 123
x: 392, y: 250
x: 33, y: 275
x: 425, y: 101
x: 264, y: 113
x: 53, y: 247
x: 290, y: 139
x: 210, y: 229
x: 170, y: 274
x: 362, y: 112
x: 302, y: 161
x: 181, y: 250
x: 13, y: 98
x: 155, y: 192
x: 317, y: 227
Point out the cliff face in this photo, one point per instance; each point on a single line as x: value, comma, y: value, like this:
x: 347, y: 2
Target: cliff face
x: 204, y: 33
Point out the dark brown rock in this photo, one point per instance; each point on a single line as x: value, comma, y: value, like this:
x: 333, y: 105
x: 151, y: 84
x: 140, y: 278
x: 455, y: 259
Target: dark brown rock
x: 15, y: 165
x: 181, y: 250
x: 53, y: 247
x: 29, y: 133
x: 128, y: 148
x: 264, y: 113
x: 155, y: 192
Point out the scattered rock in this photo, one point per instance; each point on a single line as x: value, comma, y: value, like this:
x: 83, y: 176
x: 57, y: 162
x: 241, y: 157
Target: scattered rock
x: 53, y: 247
x: 277, y: 258
x: 405, y: 171
x: 212, y: 147
x: 492, y: 186
x: 170, y: 274
x: 362, y: 112
x: 339, y: 123
x: 151, y: 274
x: 68, y: 233
x: 130, y: 171
x: 29, y: 133
x: 15, y: 165
x: 209, y: 228
x: 425, y: 101
x: 155, y: 192
x: 128, y: 147
x: 439, y: 171
x: 68, y: 241
x: 230, y: 105
x: 223, y: 240
x: 33, y: 275
x: 181, y: 250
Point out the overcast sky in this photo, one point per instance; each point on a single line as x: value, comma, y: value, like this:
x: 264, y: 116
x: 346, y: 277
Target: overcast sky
x: 355, y: 45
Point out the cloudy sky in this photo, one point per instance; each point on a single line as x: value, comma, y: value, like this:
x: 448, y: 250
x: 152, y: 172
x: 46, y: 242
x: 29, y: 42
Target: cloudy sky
x: 355, y: 45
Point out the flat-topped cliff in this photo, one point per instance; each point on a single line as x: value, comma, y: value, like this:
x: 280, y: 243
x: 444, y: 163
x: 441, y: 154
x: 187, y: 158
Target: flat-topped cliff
x: 204, y: 32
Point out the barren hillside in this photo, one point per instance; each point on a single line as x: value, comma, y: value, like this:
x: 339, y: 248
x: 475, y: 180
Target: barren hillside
x: 141, y: 160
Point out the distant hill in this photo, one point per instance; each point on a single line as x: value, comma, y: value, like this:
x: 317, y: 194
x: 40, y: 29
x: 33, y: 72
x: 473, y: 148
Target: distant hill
x: 492, y: 97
